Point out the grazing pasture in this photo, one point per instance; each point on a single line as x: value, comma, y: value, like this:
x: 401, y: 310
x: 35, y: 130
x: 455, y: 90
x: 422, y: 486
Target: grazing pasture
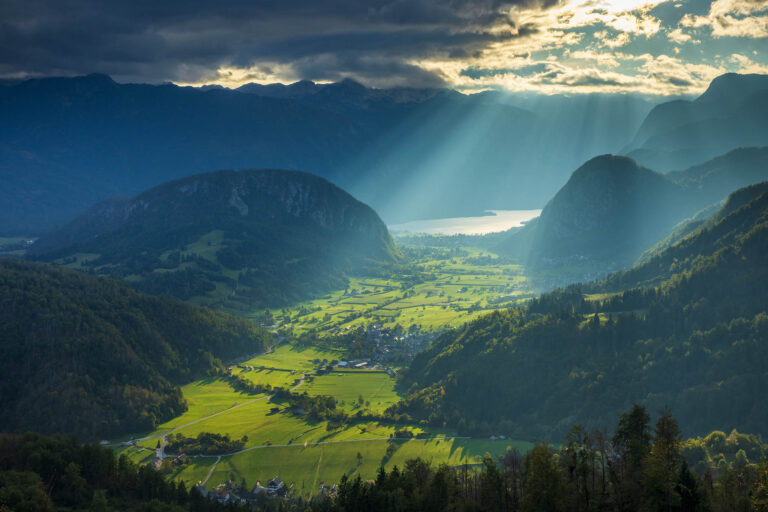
x: 446, y: 288
x: 305, y: 453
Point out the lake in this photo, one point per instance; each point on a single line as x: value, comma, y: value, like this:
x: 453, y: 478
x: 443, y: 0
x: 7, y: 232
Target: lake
x: 496, y: 220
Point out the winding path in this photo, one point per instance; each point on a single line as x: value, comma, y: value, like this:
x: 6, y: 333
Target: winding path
x: 160, y: 451
x: 210, y: 472
x: 318, y: 443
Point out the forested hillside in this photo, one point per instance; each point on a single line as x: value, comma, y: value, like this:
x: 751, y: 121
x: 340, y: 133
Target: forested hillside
x: 613, y: 213
x: 45, y: 474
x: 743, y: 209
x: 697, y: 342
x: 610, y: 210
x: 239, y: 240
x: 731, y: 171
x: 93, y: 357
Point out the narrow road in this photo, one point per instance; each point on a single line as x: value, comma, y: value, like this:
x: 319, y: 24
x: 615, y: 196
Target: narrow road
x: 247, y: 402
x: 160, y: 451
x: 208, y: 476
x: 299, y: 383
x: 370, y: 439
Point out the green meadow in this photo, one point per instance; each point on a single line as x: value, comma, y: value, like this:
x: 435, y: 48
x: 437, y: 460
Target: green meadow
x: 445, y: 290
x: 305, y: 453
x: 376, y: 388
x: 309, y: 467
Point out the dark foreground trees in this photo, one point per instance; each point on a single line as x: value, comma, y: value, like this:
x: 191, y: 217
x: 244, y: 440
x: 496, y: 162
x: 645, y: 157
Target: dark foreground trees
x: 640, y: 468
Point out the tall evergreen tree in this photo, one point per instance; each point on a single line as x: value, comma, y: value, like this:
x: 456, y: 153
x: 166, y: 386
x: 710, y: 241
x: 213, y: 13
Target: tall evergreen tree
x: 662, y: 465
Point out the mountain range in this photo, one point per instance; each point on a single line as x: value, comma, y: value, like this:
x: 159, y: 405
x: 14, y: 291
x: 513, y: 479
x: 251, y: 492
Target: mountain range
x: 684, y: 325
x: 613, y: 210
x: 69, y: 142
x: 731, y: 113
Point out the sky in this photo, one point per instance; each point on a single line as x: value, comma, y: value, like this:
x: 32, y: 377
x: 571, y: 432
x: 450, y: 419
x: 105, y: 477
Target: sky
x: 650, y: 47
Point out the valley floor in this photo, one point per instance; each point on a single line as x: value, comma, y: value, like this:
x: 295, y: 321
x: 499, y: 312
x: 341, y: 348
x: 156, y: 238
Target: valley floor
x: 447, y: 286
x: 306, y: 454
x: 450, y: 286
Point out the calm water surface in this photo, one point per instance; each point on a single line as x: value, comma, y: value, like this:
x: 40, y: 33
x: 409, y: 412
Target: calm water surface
x: 496, y: 220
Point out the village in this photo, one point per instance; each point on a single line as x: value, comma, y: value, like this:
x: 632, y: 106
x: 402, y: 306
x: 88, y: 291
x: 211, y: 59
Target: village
x: 231, y: 492
x: 389, y: 346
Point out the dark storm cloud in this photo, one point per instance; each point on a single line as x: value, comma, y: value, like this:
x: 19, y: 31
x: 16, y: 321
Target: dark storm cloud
x: 187, y: 40
x: 529, y: 70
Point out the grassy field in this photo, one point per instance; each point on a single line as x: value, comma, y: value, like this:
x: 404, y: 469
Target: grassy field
x: 309, y: 467
x: 451, y: 288
x: 376, y: 389
x: 303, y: 452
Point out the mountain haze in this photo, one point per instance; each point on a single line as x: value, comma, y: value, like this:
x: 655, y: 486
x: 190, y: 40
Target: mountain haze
x: 730, y: 114
x: 610, y: 209
x: 410, y: 153
x: 613, y: 212
x: 232, y: 239
x: 743, y: 209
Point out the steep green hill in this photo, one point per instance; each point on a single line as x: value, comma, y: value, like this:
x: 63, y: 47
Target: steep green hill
x: 613, y: 213
x: 238, y: 240
x: 93, y: 357
x: 698, y: 343
x: 744, y: 208
x: 610, y: 210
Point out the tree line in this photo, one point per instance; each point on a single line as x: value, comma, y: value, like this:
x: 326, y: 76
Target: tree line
x: 639, y: 468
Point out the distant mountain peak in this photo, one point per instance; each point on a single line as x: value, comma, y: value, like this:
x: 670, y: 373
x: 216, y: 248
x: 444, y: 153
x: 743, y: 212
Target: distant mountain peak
x: 609, y: 211
x: 99, y: 78
x: 733, y: 87
x: 607, y: 163
x: 352, y: 83
x: 85, y: 83
x: 303, y: 83
x: 731, y: 113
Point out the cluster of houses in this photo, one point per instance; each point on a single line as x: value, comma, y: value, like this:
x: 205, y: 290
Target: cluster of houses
x: 387, y: 347
x: 331, y: 492
x: 178, y: 460
x: 230, y: 492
